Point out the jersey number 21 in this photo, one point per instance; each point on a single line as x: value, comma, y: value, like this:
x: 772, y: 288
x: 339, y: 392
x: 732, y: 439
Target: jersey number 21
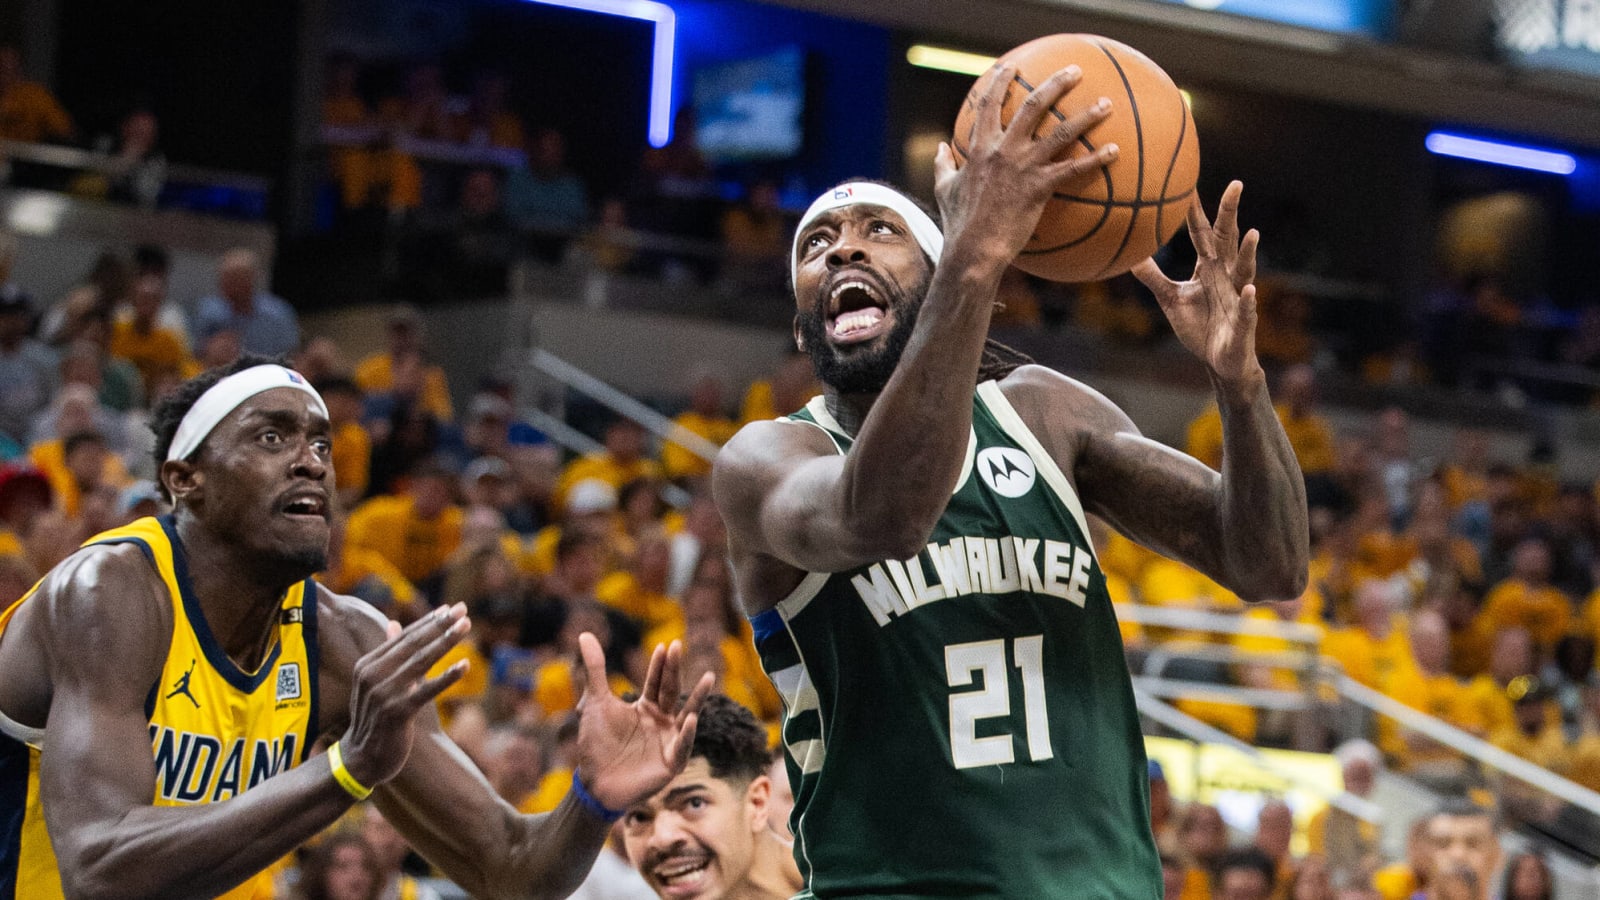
x: 993, y: 700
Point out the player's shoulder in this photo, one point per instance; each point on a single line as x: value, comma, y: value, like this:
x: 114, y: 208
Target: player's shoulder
x: 105, y: 602
x: 347, y: 626
x: 1040, y: 394
x: 769, y: 442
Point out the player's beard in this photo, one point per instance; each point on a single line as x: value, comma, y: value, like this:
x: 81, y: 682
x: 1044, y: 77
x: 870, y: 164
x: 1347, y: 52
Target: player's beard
x: 861, y: 369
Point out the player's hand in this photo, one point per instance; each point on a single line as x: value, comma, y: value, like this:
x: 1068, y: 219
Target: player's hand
x: 391, y: 686
x: 998, y: 195
x: 1214, y: 312
x: 628, y: 751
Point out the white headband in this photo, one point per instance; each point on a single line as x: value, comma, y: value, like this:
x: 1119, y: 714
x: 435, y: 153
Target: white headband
x: 928, y: 235
x: 225, y: 396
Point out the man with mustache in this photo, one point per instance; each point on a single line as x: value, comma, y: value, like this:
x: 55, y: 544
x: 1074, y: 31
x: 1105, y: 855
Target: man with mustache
x: 707, y: 834
x: 913, y: 551
x: 199, y: 641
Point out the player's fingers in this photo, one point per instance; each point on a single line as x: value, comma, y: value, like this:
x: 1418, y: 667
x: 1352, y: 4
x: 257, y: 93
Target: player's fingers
x: 423, y: 658
x: 702, y: 690
x: 1151, y: 276
x: 1068, y: 131
x: 1228, y: 211
x: 1040, y: 103
x: 683, y: 742
x: 594, y: 664
x: 392, y: 630
x: 671, y: 679
x: 1076, y: 167
x: 987, y: 121
x: 1244, y: 268
x: 384, y: 659
x: 652, y: 675
x: 430, y: 688
x: 1200, y: 230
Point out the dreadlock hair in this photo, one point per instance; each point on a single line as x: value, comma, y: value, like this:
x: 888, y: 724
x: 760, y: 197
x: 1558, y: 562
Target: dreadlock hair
x: 169, y: 413
x: 998, y: 360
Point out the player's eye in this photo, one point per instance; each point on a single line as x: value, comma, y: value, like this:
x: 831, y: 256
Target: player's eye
x: 696, y: 803
x: 814, y: 240
x: 879, y: 226
x: 323, y: 446
x: 271, y: 437
x: 634, y: 820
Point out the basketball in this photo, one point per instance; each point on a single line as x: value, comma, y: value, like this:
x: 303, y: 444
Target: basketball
x: 1102, y: 225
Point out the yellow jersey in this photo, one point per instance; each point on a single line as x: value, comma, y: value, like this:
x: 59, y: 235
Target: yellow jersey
x: 215, y: 729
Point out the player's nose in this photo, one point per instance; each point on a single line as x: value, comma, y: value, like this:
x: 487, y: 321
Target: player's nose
x: 308, y: 463
x: 849, y: 249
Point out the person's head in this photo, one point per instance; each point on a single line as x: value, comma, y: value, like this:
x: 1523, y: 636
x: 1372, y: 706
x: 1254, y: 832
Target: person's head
x: 24, y: 496
x: 1464, y: 836
x: 1375, y: 606
x: 1394, y: 433
x: 624, y: 439
x: 151, y: 259
x: 1511, y: 654
x: 486, y: 482
x: 1527, y: 877
x: 1530, y: 561
x: 1160, y: 793
x: 389, y: 847
x: 16, y: 576
x: 1201, y: 832
x: 149, y: 292
x: 1312, y: 880
x: 652, y: 561
x: 863, y: 258
x: 705, y: 397
x: 245, y: 452
x: 514, y: 761
x: 431, y: 488
x: 1530, y: 704
x: 580, y: 560
x: 221, y: 348
x: 237, y: 274
x: 590, y: 503
x: 85, y: 455
x: 1574, y: 657
x: 698, y: 837
x: 343, y: 397
x: 480, y: 193
x: 1298, y: 388
x: 1359, y: 762
x: 342, y: 867
x: 404, y: 328
x: 1245, y: 874
x: 1430, y: 641
x: 1274, y: 829
x: 642, y: 504
x: 547, y: 151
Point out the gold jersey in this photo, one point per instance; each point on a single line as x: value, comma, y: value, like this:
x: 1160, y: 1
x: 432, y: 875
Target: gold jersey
x: 215, y: 729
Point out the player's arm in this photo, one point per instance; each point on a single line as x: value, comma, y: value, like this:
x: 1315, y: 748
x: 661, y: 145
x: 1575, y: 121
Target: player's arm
x: 105, y: 632
x: 449, y: 812
x: 791, y: 497
x: 1245, y: 527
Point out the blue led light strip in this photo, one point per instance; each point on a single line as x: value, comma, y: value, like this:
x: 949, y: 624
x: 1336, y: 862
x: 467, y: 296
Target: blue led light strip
x: 666, y: 22
x: 1500, y: 153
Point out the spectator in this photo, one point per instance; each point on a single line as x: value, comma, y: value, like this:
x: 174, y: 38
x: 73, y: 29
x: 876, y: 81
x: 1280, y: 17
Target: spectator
x: 546, y: 198
x: 264, y: 322
x: 1569, y: 676
x: 364, y: 573
x: 1403, y: 880
x: 341, y: 867
x: 1466, y: 842
x: 1274, y: 832
x: 1527, y: 878
x: 320, y: 358
x: 17, y: 575
x: 1438, y: 693
x: 1511, y: 658
x: 1203, y: 436
x: 376, y: 374
x: 377, y: 181
x: 220, y: 349
x: 416, y: 531
x: 1312, y: 881
x: 590, y: 507
x: 1202, y: 840
x: 557, y: 685
x: 405, y: 437
x: 95, y: 300
x: 136, y: 170
x: 28, y: 370
x: 342, y: 103
x: 496, y: 621
x: 514, y: 763
x: 390, y: 850
x: 702, y: 537
x: 487, y: 122
x: 1309, y: 433
x: 1396, y: 467
x: 158, y: 352
x: 640, y: 591
x: 423, y: 110
x: 1283, y: 327
x: 25, y: 496
x: 28, y: 111
x: 704, y: 418
x: 480, y: 240
x: 352, y: 446
x: 1527, y: 600
x: 487, y: 430
x: 77, y: 405
x: 1245, y: 874
x: 755, y: 241
x: 622, y: 460
x: 1349, y: 844
x: 786, y: 390
x: 1536, y: 734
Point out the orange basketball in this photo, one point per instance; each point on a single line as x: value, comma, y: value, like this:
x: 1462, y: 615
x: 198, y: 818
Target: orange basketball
x: 1101, y: 225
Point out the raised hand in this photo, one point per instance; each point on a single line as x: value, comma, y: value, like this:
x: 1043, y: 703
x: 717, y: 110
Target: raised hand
x: 1001, y: 190
x: 1214, y: 312
x: 628, y: 751
x: 391, y: 687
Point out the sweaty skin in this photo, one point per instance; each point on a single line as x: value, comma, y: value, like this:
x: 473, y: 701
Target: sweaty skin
x: 794, y: 505
x: 80, y: 655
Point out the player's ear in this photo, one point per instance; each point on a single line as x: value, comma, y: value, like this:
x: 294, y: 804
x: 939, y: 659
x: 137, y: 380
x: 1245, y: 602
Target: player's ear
x: 756, y: 803
x: 799, y: 337
x: 182, y: 479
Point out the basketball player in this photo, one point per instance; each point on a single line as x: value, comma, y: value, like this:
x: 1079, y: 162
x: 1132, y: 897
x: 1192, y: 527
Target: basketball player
x: 200, y: 638
x: 914, y: 554
x: 706, y: 835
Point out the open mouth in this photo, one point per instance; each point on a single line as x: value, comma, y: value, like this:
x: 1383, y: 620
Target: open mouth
x: 857, y: 310
x: 306, y: 506
x: 682, y: 877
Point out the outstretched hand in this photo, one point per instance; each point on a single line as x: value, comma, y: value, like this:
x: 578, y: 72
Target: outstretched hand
x: 1214, y: 312
x: 628, y: 751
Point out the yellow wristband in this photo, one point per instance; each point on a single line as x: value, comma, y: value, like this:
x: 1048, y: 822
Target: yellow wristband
x: 342, y: 775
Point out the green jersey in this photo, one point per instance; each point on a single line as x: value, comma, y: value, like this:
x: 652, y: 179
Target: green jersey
x: 962, y: 724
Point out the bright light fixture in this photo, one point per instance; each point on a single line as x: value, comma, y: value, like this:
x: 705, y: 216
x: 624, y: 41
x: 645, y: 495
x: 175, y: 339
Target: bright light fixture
x: 947, y: 60
x: 1500, y: 153
x: 666, y: 22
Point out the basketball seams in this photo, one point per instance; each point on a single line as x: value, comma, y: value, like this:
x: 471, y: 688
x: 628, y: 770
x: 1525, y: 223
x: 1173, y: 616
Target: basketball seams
x: 1138, y: 131
x: 1172, y: 163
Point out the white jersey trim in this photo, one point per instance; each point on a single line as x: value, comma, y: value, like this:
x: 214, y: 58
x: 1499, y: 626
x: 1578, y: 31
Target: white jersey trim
x: 818, y: 407
x: 1017, y: 430
x: 11, y: 728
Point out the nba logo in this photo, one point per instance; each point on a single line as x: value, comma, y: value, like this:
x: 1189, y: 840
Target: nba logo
x: 294, y: 377
x: 841, y: 194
